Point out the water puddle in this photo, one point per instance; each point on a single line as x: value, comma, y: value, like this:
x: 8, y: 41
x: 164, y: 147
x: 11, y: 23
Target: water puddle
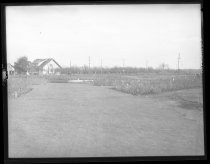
x: 79, y: 81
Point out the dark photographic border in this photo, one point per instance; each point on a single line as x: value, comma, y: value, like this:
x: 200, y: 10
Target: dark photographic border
x: 91, y: 159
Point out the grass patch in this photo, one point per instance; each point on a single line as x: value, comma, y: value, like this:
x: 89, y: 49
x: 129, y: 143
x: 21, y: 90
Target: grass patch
x: 18, y: 85
x: 190, y: 104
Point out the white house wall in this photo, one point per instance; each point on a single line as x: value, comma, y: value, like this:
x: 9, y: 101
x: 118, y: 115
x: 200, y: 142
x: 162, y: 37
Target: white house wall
x: 47, y: 67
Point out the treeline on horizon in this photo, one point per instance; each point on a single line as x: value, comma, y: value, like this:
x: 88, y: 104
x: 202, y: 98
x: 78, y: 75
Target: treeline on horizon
x: 104, y: 70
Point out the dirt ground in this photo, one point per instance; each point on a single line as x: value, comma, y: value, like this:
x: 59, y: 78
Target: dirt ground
x: 74, y: 120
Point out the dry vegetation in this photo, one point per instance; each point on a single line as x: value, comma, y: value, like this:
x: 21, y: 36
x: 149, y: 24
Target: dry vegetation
x: 18, y: 85
x: 135, y: 84
x: 150, y: 85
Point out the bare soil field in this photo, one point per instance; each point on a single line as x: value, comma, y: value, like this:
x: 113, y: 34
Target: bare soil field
x: 74, y: 120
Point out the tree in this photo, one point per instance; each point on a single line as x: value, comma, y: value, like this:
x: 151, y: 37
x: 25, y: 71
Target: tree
x: 22, y: 65
x: 163, y: 66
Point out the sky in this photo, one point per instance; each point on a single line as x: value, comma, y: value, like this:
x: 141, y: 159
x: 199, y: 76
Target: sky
x: 117, y: 35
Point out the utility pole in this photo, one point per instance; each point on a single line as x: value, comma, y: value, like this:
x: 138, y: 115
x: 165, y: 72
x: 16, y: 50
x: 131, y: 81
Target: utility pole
x: 123, y: 62
x: 70, y: 67
x: 89, y: 62
x: 123, y: 65
x: 178, y: 61
x: 101, y: 65
x: 92, y: 63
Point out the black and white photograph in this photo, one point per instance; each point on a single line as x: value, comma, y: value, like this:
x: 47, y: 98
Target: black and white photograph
x: 108, y: 80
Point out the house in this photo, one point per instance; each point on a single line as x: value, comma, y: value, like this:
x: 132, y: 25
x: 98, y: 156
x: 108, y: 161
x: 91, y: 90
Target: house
x: 44, y: 67
x: 10, y: 69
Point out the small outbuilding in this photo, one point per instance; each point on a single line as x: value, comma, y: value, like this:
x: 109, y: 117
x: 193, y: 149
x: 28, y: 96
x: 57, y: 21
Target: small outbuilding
x: 10, y: 69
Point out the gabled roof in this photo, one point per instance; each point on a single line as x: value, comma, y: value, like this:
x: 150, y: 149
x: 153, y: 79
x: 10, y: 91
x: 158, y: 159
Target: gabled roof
x: 10, y: 65
x: 38, y: 62
x: 42, y: 62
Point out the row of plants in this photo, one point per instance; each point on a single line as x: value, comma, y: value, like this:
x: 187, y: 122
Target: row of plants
x: 150, y: 86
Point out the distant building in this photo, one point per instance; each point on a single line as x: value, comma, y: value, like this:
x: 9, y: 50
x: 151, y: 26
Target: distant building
x: 10, y: 69
x: 44, y: 67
